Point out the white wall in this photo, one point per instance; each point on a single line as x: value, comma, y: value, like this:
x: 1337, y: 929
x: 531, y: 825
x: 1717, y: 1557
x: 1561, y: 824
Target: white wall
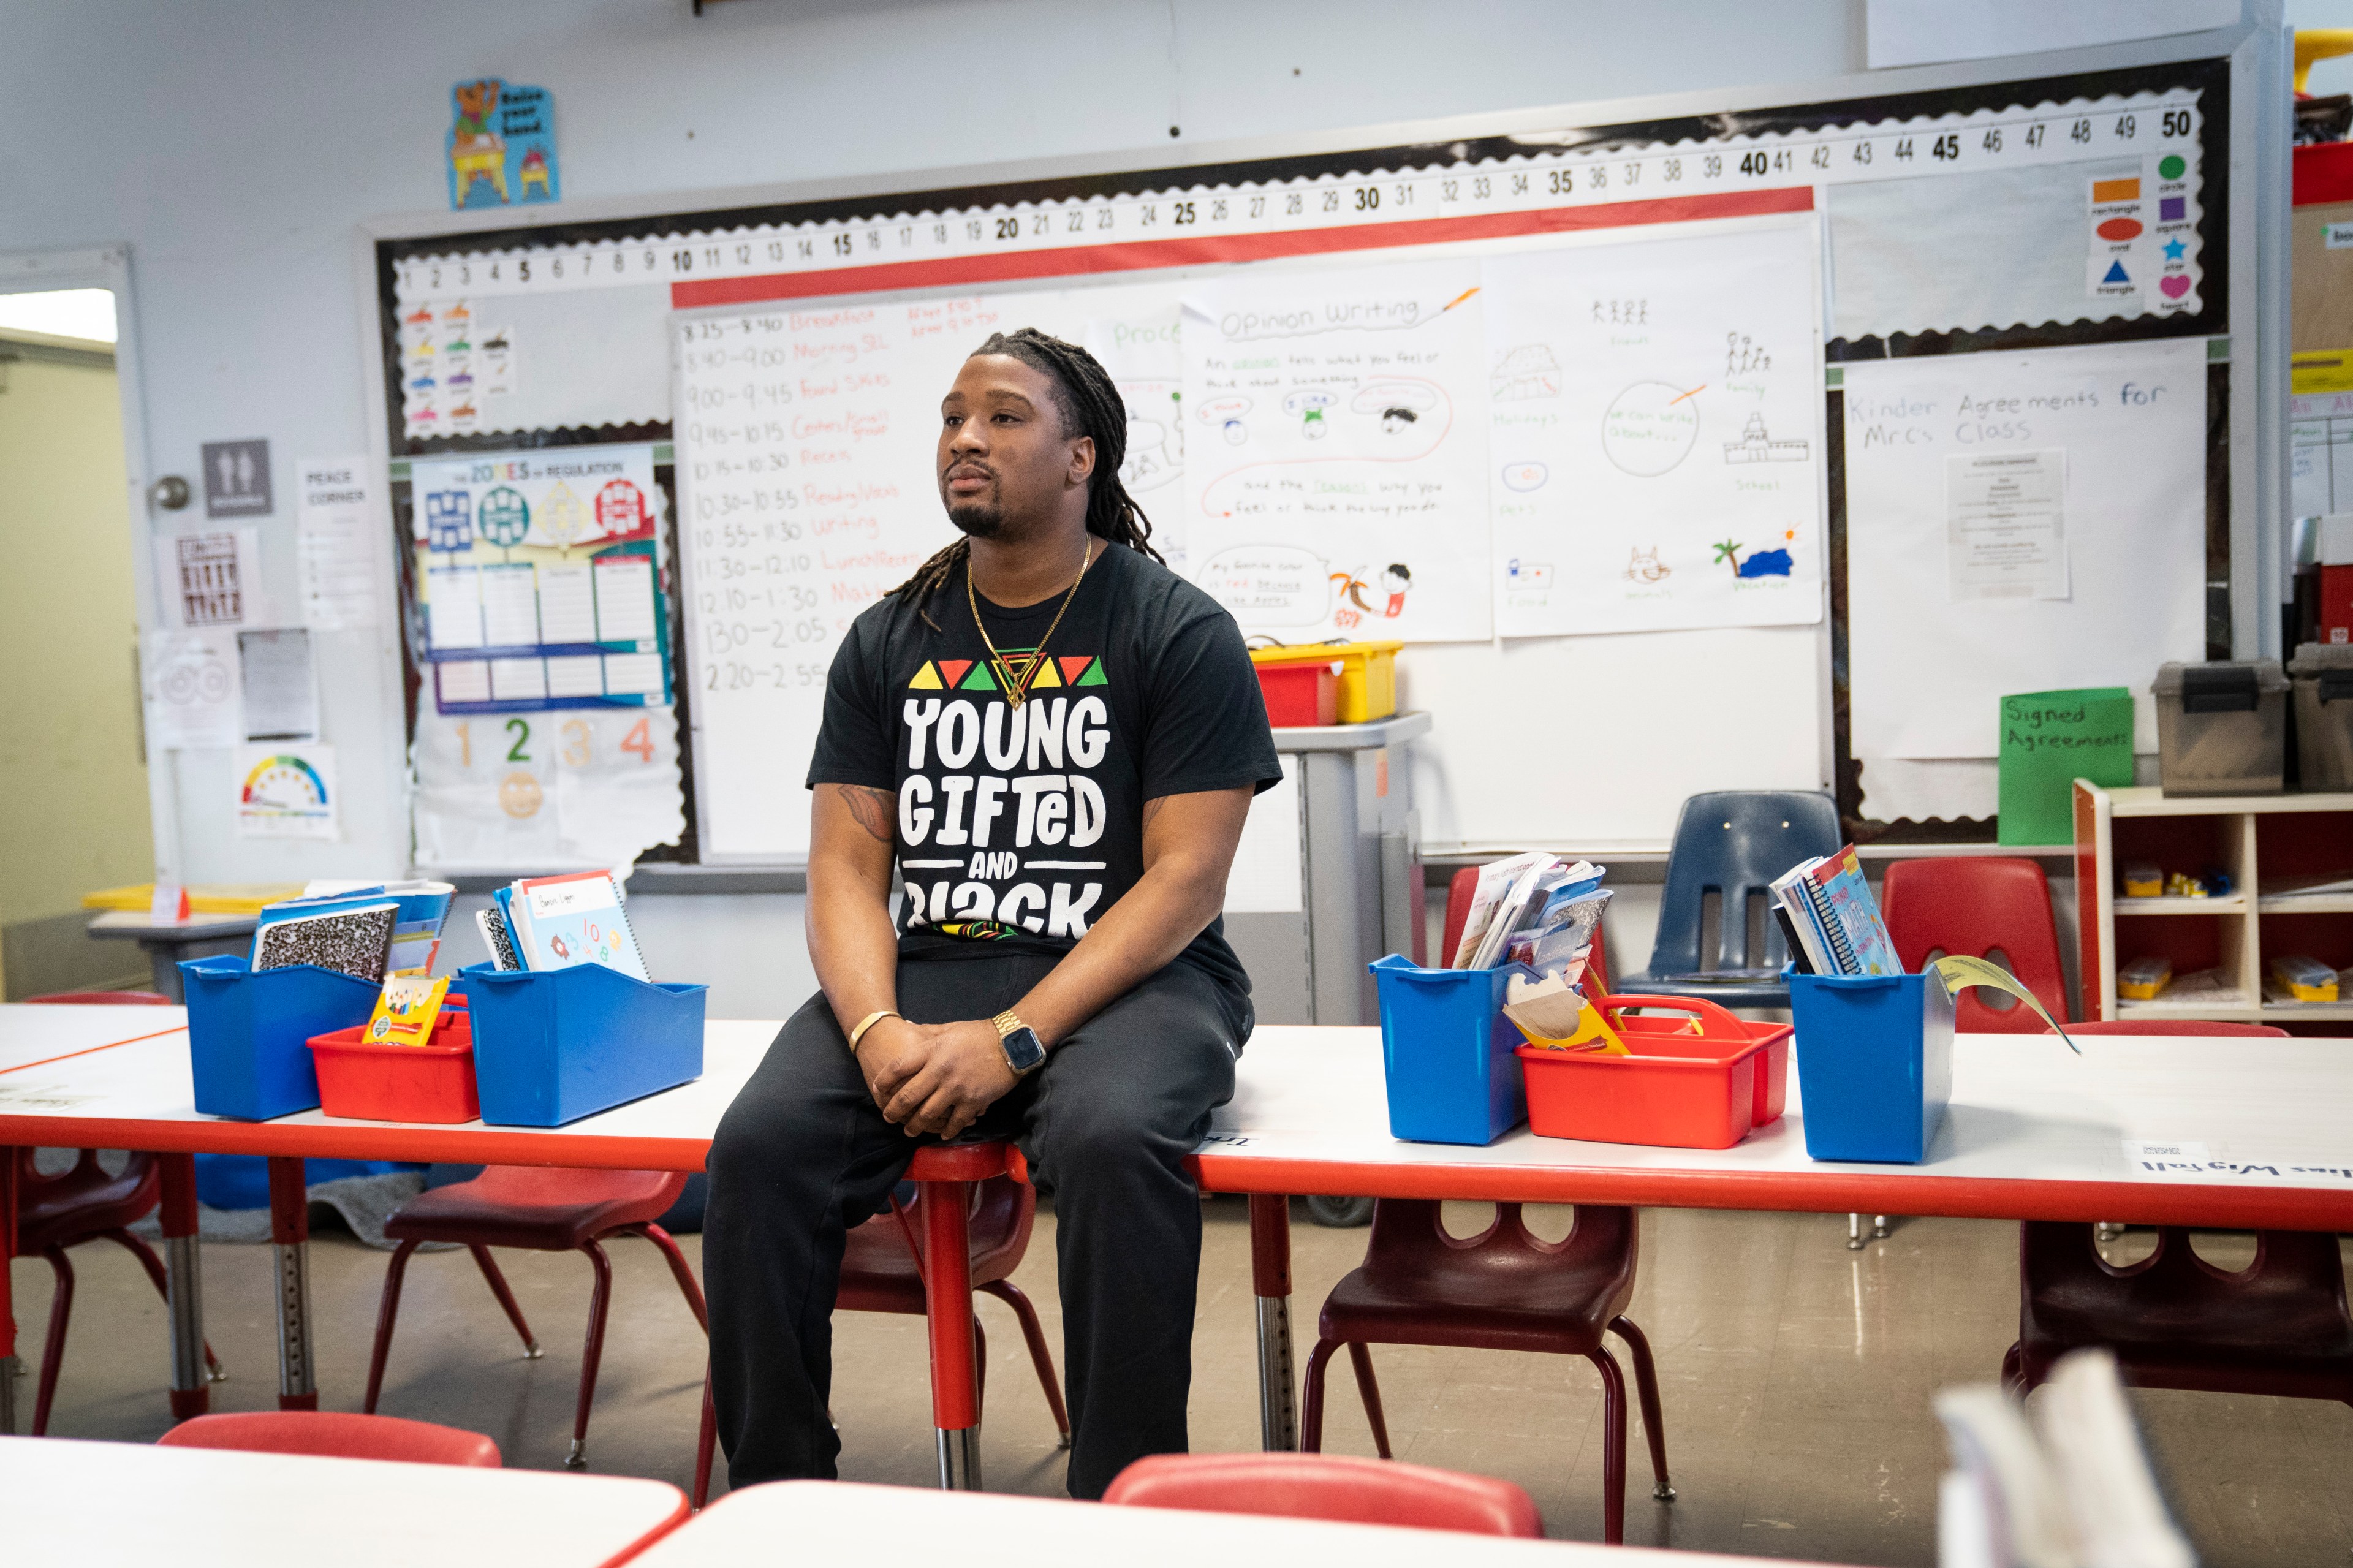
x: 234, y: 143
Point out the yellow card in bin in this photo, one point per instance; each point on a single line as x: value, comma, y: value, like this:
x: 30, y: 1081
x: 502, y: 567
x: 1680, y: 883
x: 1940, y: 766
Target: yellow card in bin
x: 406, y: 1009
x: 1593, y: 1034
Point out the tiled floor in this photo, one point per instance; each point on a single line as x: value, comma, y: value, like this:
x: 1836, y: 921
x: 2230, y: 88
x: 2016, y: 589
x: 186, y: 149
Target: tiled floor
x: 1796, y: 1377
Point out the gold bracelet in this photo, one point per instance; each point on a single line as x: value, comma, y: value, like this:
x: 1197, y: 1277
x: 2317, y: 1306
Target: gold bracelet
x: 867, y: 1022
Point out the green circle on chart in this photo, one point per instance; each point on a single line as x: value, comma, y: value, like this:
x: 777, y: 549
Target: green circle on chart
x: 2171, y: 166
x: 504, y: 517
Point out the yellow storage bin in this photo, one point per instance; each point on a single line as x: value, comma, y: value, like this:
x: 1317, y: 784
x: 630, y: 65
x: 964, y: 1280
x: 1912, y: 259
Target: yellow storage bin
x: 1367, y: 674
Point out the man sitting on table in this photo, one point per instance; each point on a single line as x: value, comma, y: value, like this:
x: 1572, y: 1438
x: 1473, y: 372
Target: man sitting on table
x: 1057, y: 738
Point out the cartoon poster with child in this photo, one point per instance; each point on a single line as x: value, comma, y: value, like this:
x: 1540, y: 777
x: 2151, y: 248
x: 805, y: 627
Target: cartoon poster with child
x: 502, y: 145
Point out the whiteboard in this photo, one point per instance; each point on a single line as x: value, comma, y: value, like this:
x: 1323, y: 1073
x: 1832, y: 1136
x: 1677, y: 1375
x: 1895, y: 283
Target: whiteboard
x: 1312, y: 436
x: 1891, y: 187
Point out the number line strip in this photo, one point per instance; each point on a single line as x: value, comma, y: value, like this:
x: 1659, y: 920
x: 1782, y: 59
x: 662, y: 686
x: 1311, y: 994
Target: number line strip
x: 1146, y: 254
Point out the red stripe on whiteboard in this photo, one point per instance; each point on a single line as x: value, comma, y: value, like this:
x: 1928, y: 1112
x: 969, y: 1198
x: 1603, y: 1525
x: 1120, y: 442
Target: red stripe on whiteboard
x: 1144, y: 254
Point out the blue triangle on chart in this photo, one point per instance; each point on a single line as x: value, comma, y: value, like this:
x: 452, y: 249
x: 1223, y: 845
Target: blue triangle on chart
x: 2116, y: 273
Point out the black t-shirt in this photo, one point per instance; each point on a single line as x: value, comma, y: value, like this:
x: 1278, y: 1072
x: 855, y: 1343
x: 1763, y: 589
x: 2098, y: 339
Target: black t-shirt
x: 1019, y: 827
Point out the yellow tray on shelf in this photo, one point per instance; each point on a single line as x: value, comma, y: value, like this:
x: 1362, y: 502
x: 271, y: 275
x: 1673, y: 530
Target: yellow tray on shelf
x: 1367, y: 674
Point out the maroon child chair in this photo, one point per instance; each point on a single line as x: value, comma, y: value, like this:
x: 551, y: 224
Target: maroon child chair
x: 2278, y: 1326
x: 85, y: 1204
x: 540, y: 1210
x: 337, y: 1435
x: 1328, y: 1486
x: 881, y: 1271
x: 1506, y: 1290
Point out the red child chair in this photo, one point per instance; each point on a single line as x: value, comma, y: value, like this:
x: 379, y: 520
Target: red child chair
x: 336, y: 1434
x: 2278, y: 1326
x: 1973, y: 906
x: 85, y: 1204
x: 883, y: 1272
x: 540, y: 1210
x: 1328, y: 1486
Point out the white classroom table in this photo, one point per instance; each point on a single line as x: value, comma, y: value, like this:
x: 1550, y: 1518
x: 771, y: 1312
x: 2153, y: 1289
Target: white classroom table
x: 837, y: 1522
x: 2035, y: 1132
x: 74, y: 1502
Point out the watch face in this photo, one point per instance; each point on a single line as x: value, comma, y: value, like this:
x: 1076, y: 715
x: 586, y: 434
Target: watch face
x: 1023, y: 1049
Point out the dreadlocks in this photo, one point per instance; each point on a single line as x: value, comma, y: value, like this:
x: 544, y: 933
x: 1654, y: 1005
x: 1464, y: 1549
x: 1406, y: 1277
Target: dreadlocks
x: 1090, y: 405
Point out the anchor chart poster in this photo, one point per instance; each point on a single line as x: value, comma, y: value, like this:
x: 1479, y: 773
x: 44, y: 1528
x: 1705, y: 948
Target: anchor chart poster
x: 1654, y: 413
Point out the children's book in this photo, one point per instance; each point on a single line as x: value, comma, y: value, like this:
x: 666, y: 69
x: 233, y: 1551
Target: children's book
x: 560, y: 921
x: 1849, y: 915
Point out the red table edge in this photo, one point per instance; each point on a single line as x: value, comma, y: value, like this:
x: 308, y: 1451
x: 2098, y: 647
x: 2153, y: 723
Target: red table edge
x: 680, y: 1513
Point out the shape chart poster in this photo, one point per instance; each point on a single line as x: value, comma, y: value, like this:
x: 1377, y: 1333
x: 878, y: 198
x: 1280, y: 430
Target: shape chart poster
x: 1653, y: 430
x: 1335, y: 442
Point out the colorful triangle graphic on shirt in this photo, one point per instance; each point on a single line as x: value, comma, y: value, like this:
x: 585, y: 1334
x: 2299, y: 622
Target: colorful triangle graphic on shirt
x: 926, y: 679
x: 1093, y: 676
x: 1074, y: 667
x: 952, y: 670
x: 977, y: 681
x: 1045, y: 676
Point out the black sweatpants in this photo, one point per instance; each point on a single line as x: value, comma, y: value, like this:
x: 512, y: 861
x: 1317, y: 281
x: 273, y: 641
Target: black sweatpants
x: 804, y: 1154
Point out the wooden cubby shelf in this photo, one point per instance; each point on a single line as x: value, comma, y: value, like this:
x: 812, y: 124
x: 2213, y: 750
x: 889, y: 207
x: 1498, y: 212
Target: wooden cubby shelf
x: 2275, y: 839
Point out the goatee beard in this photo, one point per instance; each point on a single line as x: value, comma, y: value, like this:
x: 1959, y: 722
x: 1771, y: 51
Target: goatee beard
x: 978, y: 519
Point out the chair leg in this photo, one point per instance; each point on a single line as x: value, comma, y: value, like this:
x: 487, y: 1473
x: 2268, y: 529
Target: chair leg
x: 2013, y: 1371
x: 155, y: 1276
x: 498, y: 1281
x: 1646, y: 1388
x: 590, y: 1354
x: 1311, y: 1404
x: 1360, y: 1359
x: 53, y: 1350
x: 1854, y: 1233
x: 681, y: 1270
x: 386, y: 1312
x: 1879, y: 1230
x: 706, y: 1439
x: 1613, y: 1450
x: 1026, y: 1315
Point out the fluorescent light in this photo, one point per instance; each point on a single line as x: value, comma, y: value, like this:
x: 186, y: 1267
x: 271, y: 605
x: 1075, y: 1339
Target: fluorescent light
x: 63, y: 313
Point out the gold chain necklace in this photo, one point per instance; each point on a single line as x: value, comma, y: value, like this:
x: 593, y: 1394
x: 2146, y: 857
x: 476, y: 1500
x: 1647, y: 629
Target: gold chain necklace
x: 1016, y: 688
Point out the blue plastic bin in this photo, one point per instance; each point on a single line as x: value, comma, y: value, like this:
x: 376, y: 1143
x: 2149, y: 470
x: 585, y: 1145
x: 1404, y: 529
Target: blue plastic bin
x: 249, y: 1031
x: 552, y: 1047
x: 1447, y: 1049
x: 1874, y: 1063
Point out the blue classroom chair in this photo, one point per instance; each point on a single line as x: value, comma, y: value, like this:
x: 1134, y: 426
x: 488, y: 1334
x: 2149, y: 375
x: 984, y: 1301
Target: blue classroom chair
x: 1732, y: 843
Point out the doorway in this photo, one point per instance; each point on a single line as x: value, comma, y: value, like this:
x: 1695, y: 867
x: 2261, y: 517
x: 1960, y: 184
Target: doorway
x: 73, y: 768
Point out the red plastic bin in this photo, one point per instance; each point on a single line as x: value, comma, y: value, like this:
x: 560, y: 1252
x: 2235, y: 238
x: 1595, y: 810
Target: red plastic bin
x: 1300, y: 694
x: 1677, y: 1090
x: 366, y: 1081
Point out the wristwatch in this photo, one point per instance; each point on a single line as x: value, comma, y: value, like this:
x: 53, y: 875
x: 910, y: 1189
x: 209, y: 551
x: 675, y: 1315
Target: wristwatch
x: 1025, y: 1053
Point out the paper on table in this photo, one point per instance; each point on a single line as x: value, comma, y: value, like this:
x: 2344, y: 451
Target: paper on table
x: 1958, y: 973
x: 2006, y: 535
x: 2189, y: 1159
x: 281, y: 689
x: 192, y: 689
x: 337, y: 543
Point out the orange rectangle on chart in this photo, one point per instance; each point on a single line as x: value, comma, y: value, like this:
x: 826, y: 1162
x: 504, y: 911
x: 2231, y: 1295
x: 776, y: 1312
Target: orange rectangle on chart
x: 2115, y: 190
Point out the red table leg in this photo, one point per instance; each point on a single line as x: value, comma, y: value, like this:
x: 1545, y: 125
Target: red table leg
x: 8, y: 1158
x: 1278, y: 1409
x: 946, y: 1172
x: 947, y: 1295
x: 290, y: 1237
x: 184, y: 1291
